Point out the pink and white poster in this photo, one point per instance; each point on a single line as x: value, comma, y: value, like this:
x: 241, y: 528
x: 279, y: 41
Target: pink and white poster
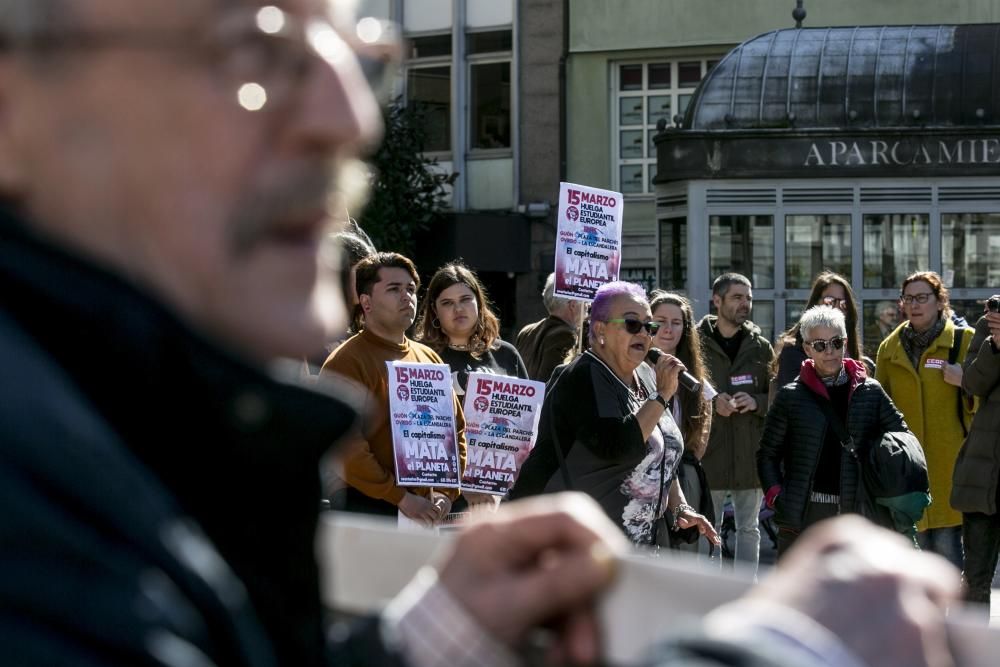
x: 589, y: 240
x: 501, y: 425
x: 422, y: 413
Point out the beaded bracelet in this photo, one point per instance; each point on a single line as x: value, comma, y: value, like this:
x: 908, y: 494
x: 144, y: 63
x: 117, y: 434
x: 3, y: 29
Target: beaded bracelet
x: 683, y: 507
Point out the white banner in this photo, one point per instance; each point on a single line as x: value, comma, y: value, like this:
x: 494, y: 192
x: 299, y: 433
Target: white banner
x: 501, y: 425
x: 422, y: 413
x: 589, y: 240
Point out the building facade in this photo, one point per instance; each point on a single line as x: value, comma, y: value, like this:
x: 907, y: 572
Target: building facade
x: 486, y: 74
x: 781, y: 217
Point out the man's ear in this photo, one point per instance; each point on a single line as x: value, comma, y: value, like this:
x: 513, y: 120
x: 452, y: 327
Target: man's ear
x: 365, y: 301
x: 716, y: 301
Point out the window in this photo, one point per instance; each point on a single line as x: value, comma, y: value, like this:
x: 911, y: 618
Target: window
x: 895, y: 245
x: 970, y: 249
x: 432, y: 46
x: 429, y: 88
x: 743, y: 244
x: 488, y: 42
x: 673, y: 253
x: 644, y: 94
x: 489, y: 54
x: 489, y: 86
x: 814, y: 243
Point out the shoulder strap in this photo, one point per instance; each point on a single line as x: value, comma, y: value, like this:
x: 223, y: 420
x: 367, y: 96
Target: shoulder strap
x: 956, y: 347
x: 953, y: 353
x: 836, y: 423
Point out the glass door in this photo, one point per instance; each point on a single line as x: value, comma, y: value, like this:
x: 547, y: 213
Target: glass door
x: 745, y: 244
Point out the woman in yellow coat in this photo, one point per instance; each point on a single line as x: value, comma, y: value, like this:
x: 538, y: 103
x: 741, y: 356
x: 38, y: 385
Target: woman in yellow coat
x: 913, y: 368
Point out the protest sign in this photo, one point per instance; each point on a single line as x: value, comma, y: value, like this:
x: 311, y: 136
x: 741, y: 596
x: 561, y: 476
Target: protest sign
x: 501, y: 424
x: 589, y: 240
x: 422, y: 412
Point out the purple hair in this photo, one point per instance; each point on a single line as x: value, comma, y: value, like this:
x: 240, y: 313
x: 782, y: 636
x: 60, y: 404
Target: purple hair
x: 600, y: 309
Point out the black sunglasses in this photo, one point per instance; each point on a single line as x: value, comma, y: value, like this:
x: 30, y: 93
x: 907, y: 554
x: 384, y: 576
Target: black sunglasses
x: 820, y: 345
x: 634, y: 326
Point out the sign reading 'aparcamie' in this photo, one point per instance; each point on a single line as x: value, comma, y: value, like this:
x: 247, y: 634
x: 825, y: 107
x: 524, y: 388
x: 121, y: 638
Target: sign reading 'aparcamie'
x: 876, y: 152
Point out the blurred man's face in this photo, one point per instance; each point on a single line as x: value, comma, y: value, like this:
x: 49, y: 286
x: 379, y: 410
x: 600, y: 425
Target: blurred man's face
x: 161, y: 162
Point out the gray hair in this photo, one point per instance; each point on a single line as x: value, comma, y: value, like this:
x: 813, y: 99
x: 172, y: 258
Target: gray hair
x: 822, y: 316
x: 553, y: 304
x: 722, y: 284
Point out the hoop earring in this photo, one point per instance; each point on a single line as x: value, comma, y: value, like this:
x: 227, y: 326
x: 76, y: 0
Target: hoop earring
x: 436, y: 323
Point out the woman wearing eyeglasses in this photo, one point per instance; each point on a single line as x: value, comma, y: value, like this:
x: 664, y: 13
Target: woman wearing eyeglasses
x: 922, y: 373
x: 607, y: 414
x: 806, y: 473
x: 829, y: 289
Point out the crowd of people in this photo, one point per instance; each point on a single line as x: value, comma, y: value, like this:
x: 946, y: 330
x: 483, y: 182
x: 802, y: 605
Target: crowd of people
x: 765, y: 428
x: 162, y: 279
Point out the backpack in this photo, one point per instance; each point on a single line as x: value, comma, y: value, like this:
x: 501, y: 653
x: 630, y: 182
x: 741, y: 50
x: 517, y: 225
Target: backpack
x: 894, y: 477
x: 893, y: 486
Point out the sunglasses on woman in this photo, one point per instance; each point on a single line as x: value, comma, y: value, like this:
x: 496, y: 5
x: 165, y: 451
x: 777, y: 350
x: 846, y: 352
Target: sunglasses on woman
x: 837, y: 343
x: 634, y: 326
x: 834, y: 302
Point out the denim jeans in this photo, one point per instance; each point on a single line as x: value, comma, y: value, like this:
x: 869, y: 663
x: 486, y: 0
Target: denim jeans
x: 945, y: 542
x: 746, y: 509
x: 981, y: 535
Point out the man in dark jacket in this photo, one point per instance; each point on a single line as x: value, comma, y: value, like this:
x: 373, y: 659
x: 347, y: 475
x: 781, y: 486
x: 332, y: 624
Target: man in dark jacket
x: 976, y: 480
x: 545, y: 344
x: 737, y: 358
x: 802, y: 465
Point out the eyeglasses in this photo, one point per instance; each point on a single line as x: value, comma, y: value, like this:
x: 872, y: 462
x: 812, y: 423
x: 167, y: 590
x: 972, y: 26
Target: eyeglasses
x: 923, y: 297
x: 264, y: 55
x: 837, y: 343
x: 634, y: 326
x: 834, y: 302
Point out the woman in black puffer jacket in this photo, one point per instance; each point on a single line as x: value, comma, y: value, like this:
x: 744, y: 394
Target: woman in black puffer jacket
x: 806, y: 474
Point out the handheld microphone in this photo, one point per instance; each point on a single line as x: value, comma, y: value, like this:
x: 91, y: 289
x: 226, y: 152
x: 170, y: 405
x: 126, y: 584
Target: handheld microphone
x: 687, y: 380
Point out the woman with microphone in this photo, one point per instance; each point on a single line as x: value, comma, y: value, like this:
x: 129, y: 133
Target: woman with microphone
x: 606, y: 429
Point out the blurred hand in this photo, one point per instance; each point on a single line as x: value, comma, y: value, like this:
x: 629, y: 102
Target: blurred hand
x: 724, y: 404
x: 993, y: 322
x: 442, y: 505
x: 539, y: 561
x: 744, y: 402
x: 881, y: 597
x: 668, y: 369
x: 419, y: 509
x: 705, y: 527
x: 953, y: 374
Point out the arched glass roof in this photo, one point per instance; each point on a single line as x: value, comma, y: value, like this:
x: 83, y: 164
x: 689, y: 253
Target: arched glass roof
x: 855, y: 77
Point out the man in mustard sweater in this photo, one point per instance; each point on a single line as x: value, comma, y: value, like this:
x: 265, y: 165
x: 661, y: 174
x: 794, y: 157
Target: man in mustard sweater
x: 387, y: 285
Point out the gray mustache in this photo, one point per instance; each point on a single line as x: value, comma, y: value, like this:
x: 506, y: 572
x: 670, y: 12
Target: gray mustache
x: 308, y: 190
